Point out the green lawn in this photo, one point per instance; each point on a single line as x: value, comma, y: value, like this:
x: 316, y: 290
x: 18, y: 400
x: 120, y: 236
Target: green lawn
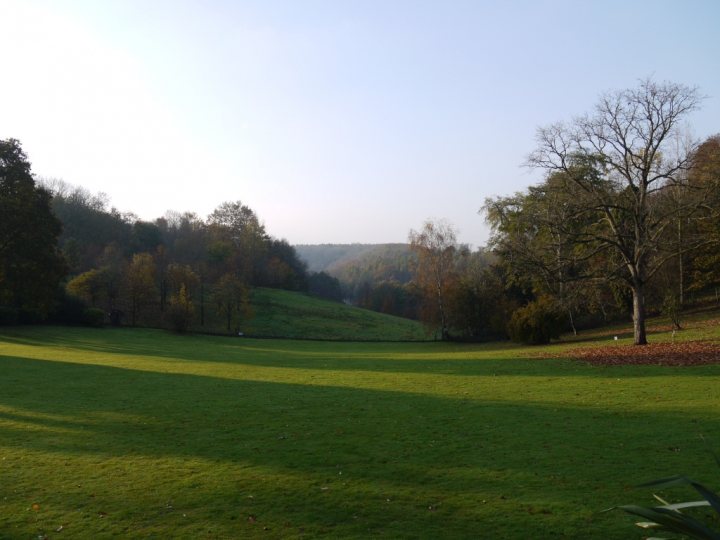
x: 139, y: 433
x: 279, y: 313
x: 287, y: 314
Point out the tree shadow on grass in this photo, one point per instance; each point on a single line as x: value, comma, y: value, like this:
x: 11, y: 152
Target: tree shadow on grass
x: 414, y: 448
x: 425, y: 358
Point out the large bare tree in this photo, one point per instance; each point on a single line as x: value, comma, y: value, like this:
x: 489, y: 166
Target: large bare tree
x: 629, y: 158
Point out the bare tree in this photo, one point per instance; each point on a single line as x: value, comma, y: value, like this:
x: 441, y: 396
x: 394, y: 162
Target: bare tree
x: 628, y: 158
x: 436, y: 246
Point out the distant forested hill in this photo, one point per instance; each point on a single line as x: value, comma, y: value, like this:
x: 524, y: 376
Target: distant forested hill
x: 373, y: 276
x: 355, y: 263
x: 320, y: 257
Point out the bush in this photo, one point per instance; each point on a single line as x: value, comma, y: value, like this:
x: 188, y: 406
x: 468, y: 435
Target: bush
x: 93, y: 317
x: 536, y: 323
x: 671, y: 308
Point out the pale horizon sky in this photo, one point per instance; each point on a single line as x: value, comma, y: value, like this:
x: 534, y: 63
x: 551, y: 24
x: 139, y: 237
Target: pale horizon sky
x: 337, y: 121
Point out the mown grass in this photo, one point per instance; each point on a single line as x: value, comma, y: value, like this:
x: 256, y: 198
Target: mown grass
x: 142, y: 434
x: 287, y: 314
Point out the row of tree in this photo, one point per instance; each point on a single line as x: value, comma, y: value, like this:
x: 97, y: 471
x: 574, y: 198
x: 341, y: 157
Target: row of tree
x: 66, y: 255
x: 627, y: 219
x: 177, y: 268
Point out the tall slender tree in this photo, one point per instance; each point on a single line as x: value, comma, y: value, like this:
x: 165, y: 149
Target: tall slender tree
x: 436, y: 247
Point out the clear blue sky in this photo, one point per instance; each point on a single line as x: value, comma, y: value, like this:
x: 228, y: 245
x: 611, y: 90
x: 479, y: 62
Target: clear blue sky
x: 337, y: 121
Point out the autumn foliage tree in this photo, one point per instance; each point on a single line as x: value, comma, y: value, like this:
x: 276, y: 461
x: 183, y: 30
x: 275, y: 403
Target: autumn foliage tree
x: 232, y: 300
x: 435, y: 246
x: 539, y: 237
x: 705, y: 174
x: 141, y: 285
x: 181, y: 310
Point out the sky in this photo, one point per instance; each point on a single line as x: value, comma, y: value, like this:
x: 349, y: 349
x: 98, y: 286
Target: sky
x: 337, y: 121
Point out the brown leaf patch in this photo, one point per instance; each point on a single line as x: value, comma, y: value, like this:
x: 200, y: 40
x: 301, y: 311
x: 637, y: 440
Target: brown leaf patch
x: 627, y: 331
x: 689, y: 353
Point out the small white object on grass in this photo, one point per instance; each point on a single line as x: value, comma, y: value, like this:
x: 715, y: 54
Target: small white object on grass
x: 615, y: 338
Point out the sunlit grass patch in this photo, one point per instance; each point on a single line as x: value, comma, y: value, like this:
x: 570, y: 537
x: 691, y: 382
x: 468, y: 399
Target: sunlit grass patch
x: 140, y: 433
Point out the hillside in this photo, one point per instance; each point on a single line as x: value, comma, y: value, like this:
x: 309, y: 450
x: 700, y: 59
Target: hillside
x: 288, y: 314
x: 331, y: 257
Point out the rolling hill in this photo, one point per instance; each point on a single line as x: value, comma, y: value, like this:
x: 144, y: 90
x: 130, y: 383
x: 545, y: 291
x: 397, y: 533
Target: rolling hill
x: 288, y: 314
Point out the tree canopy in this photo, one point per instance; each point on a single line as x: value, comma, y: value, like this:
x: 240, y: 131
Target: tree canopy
x: 31, y: 266
x: 626, y: 166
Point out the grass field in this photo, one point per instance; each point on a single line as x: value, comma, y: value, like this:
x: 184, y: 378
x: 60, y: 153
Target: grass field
x: 286, y: 314
x: 140, y: 433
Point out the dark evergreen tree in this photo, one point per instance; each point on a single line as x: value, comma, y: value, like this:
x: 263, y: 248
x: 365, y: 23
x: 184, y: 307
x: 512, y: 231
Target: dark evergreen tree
x: 31, y: 266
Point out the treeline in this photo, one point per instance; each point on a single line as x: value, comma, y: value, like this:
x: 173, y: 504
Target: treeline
x: 555, y: 243
x: 179, y: 269
x: 371, y: 276
x: 325, y: 257
x: 67, y: 256
x: 390, y: 278
x: 625, y: 222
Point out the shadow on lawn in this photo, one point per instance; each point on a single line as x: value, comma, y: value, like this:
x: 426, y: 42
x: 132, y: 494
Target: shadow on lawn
x: 258, y: 421
x: 422, y: 358
x: 384, y: 441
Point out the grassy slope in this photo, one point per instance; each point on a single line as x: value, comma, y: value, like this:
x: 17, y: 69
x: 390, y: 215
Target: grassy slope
x: 289, y: 314
x: 138, y: 433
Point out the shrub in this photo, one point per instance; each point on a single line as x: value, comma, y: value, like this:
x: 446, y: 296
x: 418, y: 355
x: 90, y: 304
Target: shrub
x: 536, y: 323
x: 671, y: 308
x: 93, y: 317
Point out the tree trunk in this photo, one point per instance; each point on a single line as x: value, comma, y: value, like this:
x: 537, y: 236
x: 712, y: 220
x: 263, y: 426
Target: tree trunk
x: 443, y: 323
x: 163, y: 294
x: 638, y: 292
x: 202, y: 301
x: 601, y: 305
x: 572, y: 322
x: 441, y: 308
x: 681, y: 269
